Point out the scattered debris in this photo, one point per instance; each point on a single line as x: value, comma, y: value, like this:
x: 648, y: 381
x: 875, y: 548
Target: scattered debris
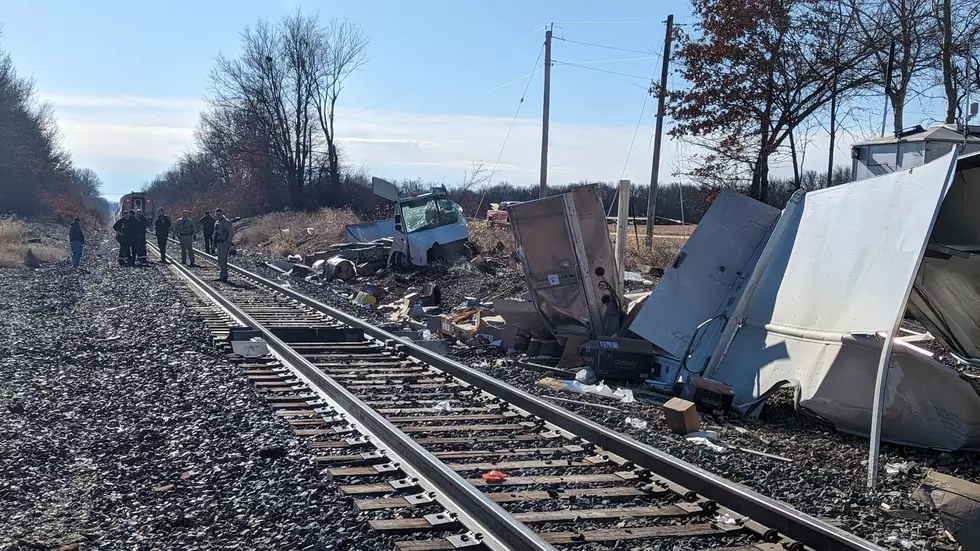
x: 444, y: 406
x: 904, y: 467
x: 620, y: 358
x: 581, y: 403
x: 494, y: 476
x: 900, y: 543
x: 636, y: 423
x: 958, y: 502
x: 708, y: 396
x: 164, y: 488
x: 701, y: 441
x: 585, y: 376
x: 726, y: 519
x: 681, y: 416
x: 764, y: 454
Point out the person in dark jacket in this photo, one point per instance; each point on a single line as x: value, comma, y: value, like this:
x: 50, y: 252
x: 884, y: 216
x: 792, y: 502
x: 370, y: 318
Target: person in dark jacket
x: 207, y: 226
x: 162, y: 227
x: 139, y: 237
x: 123, y: 231
x: 75, y: 240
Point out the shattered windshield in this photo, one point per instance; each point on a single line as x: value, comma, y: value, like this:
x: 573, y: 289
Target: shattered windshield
x: 426, y: 214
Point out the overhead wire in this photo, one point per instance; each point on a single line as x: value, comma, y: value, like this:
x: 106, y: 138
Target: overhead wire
x: 511, y: 129
x: 604, y: 46
x: 623, y: 59
x: 437, y: 79
x: 600, y: 70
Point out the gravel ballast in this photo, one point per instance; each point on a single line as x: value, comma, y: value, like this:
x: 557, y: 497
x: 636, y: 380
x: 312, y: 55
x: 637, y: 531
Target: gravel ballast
x: 120, y: 428
x: 825, y: 476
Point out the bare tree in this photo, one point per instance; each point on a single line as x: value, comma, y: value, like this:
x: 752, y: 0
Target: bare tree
x: 957, y: 23
x: 269, y: 83
x: 338, y: 50
x: 910, y: 26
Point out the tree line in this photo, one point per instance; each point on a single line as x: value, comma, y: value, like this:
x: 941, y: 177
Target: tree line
x: 763, y: 76
x: 37, y: 175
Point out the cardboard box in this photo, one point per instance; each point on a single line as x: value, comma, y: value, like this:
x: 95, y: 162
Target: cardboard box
x: 708, y: 396
x: 620, y: 358
x: 681, y: 416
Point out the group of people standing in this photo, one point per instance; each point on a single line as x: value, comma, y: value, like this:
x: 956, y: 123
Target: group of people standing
x: 218, y: 234
x: 131, y: 235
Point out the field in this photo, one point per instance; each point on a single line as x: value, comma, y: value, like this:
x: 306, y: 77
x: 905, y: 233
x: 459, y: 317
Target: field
x: 20, y: 246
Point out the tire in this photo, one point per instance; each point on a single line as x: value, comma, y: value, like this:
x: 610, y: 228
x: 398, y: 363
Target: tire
x: 400, y: 262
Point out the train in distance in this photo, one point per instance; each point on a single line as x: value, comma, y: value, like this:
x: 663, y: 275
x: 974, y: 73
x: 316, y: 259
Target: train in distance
x: 138, y: 201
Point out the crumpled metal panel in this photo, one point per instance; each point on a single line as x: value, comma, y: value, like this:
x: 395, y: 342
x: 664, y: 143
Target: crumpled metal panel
x: 370, y: 231
x: 707, y: 277
x: 838, y: 268
x: 946, y: 295
x: 563, y: 243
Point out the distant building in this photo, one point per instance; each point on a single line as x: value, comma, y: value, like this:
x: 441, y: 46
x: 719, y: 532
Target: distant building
x: 909, y: 148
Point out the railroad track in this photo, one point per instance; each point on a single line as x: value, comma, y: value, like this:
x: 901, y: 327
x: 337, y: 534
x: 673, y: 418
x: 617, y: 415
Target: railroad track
x: 444, y: 457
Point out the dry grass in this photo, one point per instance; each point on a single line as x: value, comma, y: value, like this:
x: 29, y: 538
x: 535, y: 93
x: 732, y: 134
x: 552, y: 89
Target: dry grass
x: 16, y: 252
x: 658, y: 230
x: 288, y: 232
x: 493, y: 239
x: 659, y: 257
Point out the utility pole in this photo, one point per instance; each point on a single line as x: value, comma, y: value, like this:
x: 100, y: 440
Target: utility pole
x: 545, y: 113
x: 658, y: 136
x: 888, y: 85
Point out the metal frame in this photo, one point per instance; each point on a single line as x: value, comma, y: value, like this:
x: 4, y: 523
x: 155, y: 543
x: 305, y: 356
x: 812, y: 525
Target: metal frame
x: 500, y: 530
x: 769, y: 512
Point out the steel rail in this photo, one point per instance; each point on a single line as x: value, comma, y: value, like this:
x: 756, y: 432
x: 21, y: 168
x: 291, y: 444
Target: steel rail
x: 771, y: 513
x: 498, y: 529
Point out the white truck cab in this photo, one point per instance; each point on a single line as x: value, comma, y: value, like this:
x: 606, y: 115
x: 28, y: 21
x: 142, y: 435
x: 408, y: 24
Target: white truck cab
x: 427, y: 226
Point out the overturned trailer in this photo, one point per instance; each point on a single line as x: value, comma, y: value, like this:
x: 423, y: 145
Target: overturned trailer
x: 760, y: 299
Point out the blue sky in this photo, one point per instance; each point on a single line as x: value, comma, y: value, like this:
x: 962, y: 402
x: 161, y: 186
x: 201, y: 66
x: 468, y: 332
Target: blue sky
x: 127, y: 79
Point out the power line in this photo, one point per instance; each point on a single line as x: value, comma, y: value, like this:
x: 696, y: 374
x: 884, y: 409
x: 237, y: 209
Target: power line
x: 602, y: 70
x: 605, y: 46
x: 437, y: 79
x: 410, y: 90
x: 514, y: 120
x: 635, y: 132
x: 413, y: 119
x: 617, y: 60
x: 606, y: 22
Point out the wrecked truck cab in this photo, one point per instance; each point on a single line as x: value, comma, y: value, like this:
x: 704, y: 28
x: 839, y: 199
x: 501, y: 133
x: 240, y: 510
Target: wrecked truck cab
x: 427, y: 226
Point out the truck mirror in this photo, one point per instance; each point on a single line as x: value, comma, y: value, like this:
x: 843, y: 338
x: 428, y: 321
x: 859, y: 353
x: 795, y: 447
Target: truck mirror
x: 398, y: 227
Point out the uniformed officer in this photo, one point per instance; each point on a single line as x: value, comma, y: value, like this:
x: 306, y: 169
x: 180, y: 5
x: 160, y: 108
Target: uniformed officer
x: 162, y: 227
x: 122, y: 236
x: 224, y: 232
x: 207, y: 226
x: 187, y: 235
x: 139, y: 237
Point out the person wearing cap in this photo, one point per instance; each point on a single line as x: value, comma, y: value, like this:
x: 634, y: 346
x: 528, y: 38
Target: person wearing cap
x: 187, y: 235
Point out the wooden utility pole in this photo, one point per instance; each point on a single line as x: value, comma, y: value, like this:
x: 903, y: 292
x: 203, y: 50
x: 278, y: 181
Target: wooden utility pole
x: 658, y: 136
x: 545, y: 113
x: 621, y: 220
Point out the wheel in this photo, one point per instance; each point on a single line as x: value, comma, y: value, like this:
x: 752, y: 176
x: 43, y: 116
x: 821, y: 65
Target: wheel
x: 401, y: 262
